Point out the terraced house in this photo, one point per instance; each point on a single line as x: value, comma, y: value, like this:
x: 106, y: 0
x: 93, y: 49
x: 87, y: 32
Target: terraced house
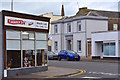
x: 75, y: 32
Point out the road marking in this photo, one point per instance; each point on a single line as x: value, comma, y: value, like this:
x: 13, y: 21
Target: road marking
x: 81, y: 72
x: 91, y: 77
x: 111, y: 74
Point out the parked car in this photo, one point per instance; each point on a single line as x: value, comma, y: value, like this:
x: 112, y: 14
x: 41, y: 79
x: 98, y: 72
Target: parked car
x: 52, y: 55
x: 69, y: 55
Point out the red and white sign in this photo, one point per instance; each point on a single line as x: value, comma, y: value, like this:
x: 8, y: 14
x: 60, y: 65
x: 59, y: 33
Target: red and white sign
x: 16, y: 22
x: 20, y: 22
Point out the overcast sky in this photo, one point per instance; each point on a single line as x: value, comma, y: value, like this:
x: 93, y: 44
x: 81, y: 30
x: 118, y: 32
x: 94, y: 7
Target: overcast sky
x: 38, y: 7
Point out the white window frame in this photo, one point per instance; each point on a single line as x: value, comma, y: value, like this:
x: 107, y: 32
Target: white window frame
x: 109, y: 50
x: 56, y: 47
x: 115, y: 26
x: 55, y: 29
x: 78, y: 46
x: 79, y: 23
x: 69, y: 27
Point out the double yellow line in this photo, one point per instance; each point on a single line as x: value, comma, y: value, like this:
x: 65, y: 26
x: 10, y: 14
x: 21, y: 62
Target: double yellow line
x: 81, y: 72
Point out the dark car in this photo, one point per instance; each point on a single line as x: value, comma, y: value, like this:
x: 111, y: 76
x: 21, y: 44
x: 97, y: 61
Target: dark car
x: 52, y: 55
x: 68, y: 54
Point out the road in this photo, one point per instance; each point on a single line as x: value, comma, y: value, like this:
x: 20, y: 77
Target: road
x: 93, y: 69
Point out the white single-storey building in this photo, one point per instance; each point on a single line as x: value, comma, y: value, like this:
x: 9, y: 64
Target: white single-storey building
x: 106, y: 44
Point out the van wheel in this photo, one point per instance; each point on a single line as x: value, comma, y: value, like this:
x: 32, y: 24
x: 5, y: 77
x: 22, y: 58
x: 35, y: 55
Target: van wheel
x: 67, y: 58
x: 59, y: 58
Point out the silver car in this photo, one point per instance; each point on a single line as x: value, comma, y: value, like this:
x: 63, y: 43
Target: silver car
x: 52, y: 55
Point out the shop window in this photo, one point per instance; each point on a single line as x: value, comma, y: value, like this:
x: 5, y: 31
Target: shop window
x: 41, y: 47
x: 28, y: 58
x: 41, y: 36
x: 79, y: 45
x: 109, y: 49
x: 13, y: 44
x: 41, y: 57
x: 112, y: 49
x: 27, y: 35
x: 106, y: 48
x: 13, y: 59
x: 10, y: 34
x: 30, y: 42
x: 28, y: 45
x: 41, y: 44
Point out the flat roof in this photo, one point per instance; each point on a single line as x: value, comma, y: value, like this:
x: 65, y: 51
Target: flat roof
x: 24, y: 15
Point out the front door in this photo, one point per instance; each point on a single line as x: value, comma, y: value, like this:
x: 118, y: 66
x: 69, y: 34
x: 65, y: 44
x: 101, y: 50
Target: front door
x: 89, y: 48
x: 69, y: 44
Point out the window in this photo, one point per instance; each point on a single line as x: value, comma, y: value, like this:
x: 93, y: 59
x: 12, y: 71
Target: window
x: 28, y: 58
x: 79, y: 45
x: 79, y: 27
x: 41, y: 48
x: 28, y: 41
x: 55, y: 29
x: 13, y: 49
x: 27, y: 35
x: 115, y: 26
x: 68, y: 27
x: 56, y: 46
x: 109, y: 49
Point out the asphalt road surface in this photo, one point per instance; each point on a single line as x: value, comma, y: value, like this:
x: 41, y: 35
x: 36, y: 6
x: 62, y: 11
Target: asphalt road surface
x: 93, y: 69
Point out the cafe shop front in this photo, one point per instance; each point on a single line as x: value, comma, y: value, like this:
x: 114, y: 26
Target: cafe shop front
x: 24, y: 43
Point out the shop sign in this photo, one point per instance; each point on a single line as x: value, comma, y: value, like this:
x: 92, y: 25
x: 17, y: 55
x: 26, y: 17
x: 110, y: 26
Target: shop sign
x: 20, y: 22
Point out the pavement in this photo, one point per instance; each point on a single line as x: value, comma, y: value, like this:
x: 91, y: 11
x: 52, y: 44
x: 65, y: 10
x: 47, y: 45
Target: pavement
x: 89, y: 59
x: 53, y: 72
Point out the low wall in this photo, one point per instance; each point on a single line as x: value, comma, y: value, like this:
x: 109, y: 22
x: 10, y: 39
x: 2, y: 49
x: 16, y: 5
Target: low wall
x: 22, y: 71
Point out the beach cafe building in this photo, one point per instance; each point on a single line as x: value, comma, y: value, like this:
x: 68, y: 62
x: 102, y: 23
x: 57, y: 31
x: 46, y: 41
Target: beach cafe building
x: 24, y: 43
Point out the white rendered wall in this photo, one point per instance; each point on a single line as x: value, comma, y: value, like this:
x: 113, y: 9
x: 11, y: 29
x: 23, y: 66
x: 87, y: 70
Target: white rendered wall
x: 81, y: 37
x: 96, y: 25
x: 58, y: 39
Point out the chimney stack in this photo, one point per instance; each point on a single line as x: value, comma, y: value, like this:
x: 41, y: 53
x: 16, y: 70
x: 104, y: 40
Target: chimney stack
x: 62, y: 11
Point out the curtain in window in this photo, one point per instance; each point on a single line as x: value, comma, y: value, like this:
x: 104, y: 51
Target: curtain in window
x: 13, y: 45
x: 41, y: 44
x: 109, y: 49
x: 112, y: 49
x: 106, y: 48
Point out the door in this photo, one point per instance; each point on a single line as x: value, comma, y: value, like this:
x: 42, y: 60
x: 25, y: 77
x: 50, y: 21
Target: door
x: 89, y: 48
x: 69, y: 44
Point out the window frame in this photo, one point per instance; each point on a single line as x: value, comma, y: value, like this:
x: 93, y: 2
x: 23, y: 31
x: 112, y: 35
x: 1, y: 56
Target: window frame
x: 79, y: 28
x: 69, y: 28
x: 79, y: 46
x: 108, y: 47
x: 115, y: 26
x: 56, y: 47
x: 55, y: 29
